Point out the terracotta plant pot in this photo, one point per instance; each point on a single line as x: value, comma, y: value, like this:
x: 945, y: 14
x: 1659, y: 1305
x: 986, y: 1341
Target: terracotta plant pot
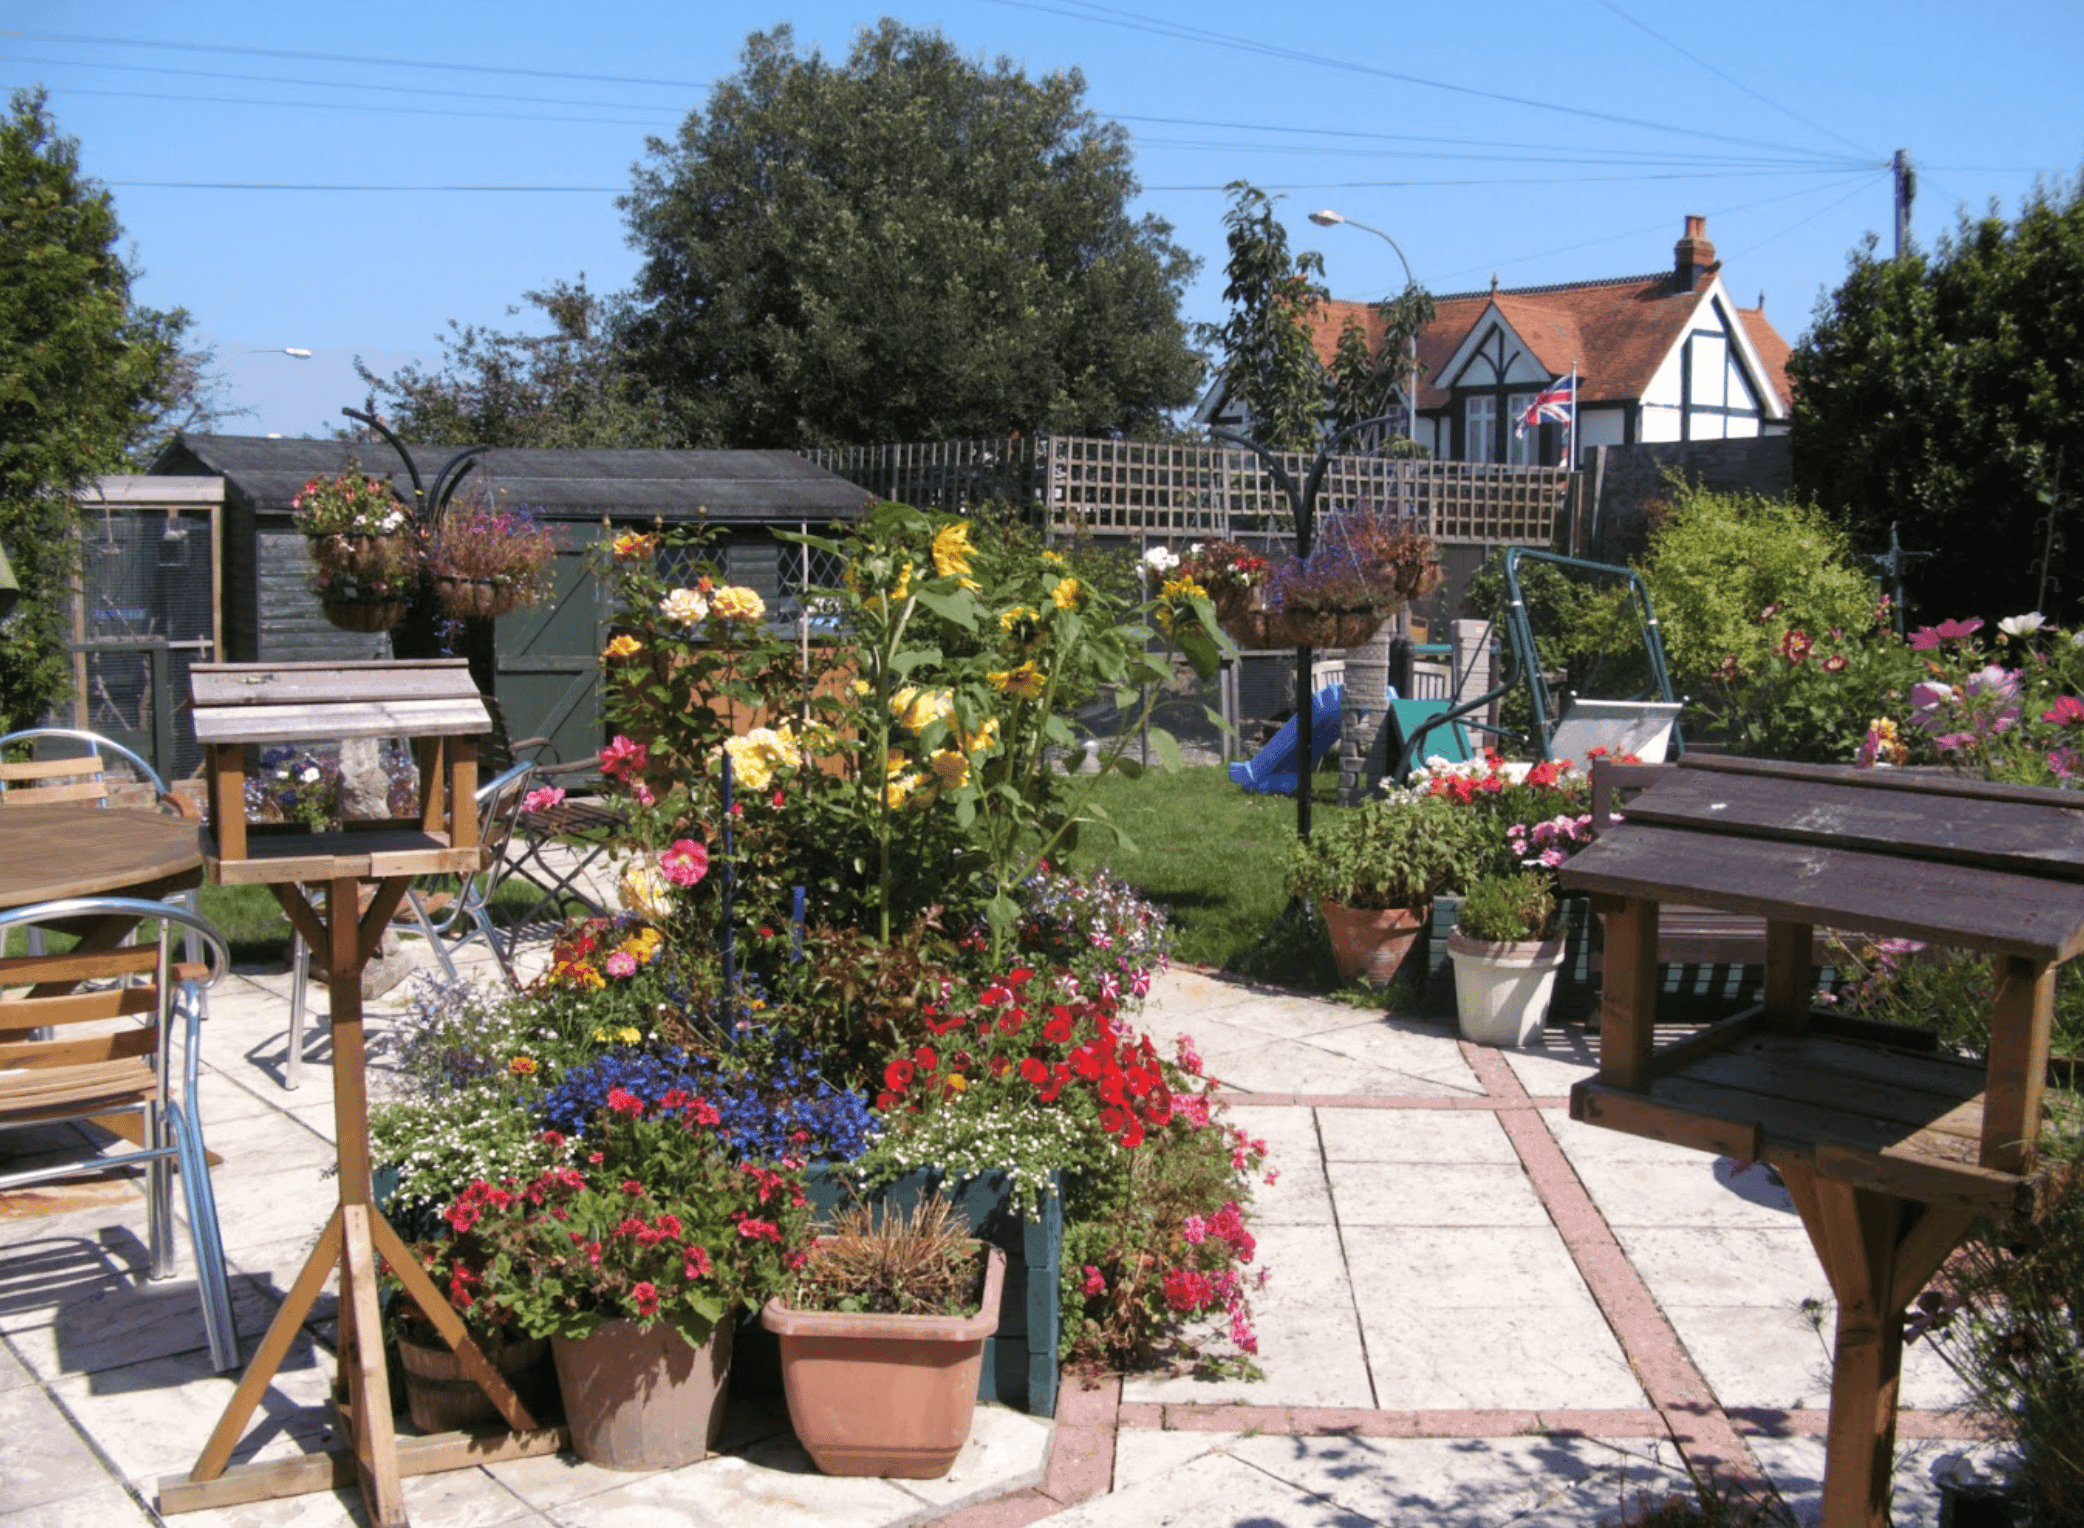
x: 1501, y: 991
x: 364, y: 615
x: 884, y: 1395
x: 440, y: 1397
x: 1370, y: 944
x: 643, y: 1400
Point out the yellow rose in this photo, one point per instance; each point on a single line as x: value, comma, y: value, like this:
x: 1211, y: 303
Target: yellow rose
x: 735, y: 602
x: 752, y: 765
x: 1065, y: 594
x: 684, y: 607
x: 1025, y: 682
x: 645, y: 891
x: 624, y: 646
x: 951, y: 551
x: 633, y: 547
x: 899, y: 790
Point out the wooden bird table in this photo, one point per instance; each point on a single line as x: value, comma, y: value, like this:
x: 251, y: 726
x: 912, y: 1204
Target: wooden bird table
x: 1891, y: 1150
x: 435, y: 705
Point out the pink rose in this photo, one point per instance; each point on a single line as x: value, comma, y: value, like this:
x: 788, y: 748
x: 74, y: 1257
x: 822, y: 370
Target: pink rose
x: 685, y: 862
x: 622, y: 963
x: 542, y: 798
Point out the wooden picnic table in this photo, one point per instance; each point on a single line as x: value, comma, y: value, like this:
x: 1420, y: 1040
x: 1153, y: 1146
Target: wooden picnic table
x: 1891, y: 1150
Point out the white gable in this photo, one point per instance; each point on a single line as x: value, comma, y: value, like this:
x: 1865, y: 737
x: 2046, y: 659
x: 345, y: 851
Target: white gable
x: 1492, y: 354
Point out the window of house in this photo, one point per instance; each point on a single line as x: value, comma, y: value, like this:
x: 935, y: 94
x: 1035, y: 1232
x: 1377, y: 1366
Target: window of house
x: 1480, y: 428
x: 1522, y: 447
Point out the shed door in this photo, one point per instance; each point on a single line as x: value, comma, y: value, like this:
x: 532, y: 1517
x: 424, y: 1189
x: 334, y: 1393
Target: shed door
x: 546, y: 661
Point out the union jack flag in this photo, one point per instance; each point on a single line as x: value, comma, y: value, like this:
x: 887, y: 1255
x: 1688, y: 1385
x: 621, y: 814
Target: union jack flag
x: 1556, y: 402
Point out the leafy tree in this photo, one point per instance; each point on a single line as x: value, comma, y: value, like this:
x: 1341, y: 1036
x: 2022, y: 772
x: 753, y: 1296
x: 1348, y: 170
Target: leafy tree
x: 1269, y: 353
x: 909, y: 245
x: 1943, y: 391
x: 571, y: 387
x: 84, y: 376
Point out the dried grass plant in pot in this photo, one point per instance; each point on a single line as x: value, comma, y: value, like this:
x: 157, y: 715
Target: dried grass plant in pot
x: 882, y: 1341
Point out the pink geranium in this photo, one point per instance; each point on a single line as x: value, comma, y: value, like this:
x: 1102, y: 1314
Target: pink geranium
x: 685, y: 863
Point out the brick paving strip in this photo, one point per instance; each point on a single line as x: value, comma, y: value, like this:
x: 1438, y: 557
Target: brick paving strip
x: 1090, y: 1412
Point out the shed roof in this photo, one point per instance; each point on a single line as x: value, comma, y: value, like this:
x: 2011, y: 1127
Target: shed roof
x: 733, y: 486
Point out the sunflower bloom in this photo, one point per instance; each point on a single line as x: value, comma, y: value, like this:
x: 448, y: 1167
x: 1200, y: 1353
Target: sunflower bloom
x: 1065, y: 594
x: 1023, y: 683
x: 951, y: 551
x: 952, y: 767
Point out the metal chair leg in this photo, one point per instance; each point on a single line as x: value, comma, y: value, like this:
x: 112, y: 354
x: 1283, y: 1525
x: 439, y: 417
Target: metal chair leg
x: 159, y: 1195
x: 212, y: 1284
x: 434, y: 939
x: 299, y: 966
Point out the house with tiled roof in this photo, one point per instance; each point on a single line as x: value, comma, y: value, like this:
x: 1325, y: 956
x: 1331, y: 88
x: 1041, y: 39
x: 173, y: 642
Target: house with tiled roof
x: 1662, y: 357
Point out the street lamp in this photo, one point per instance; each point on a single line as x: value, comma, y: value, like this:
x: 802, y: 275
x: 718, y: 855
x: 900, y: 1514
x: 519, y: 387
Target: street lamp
x: 1325, y: 217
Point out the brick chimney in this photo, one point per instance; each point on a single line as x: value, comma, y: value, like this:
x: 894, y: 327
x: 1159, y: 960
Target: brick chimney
x: 1693, y: 254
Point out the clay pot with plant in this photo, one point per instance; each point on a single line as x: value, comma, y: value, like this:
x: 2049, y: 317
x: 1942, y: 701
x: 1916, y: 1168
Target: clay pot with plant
x: 882, y: 1341
x: 1374, y: 872
x: 1507, y: 948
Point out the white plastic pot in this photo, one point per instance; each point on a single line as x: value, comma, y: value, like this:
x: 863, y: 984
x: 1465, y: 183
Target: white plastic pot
x: 1501, y: 991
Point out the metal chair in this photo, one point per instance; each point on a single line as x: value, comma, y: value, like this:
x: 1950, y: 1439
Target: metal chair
x: 107, y: 1071
x: 449, y: 924
x: 558, y: 845
x: 54, y: 780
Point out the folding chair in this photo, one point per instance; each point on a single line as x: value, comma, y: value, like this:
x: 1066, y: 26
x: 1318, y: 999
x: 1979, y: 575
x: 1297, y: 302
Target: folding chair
x: 450, y: 920
x: 50, y: 780
x: 100, y: 1071
x: 583, y: 829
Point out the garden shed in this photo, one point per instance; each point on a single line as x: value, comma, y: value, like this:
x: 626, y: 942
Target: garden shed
x: 545, y: 657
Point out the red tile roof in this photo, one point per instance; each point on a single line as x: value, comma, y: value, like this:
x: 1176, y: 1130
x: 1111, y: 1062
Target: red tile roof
x: 1615, y: 332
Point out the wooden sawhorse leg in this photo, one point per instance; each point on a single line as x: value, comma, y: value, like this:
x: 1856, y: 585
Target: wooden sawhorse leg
x: 1878, y: 1251
x: 353, y: 1239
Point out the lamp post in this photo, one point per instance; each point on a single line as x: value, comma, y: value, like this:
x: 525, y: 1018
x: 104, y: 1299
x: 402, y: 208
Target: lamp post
x: 1325, y: 217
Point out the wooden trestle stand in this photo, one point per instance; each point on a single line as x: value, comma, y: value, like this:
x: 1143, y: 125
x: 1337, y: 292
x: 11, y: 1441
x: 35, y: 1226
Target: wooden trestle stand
x: 1890, y: 1150
x: 435, y: 705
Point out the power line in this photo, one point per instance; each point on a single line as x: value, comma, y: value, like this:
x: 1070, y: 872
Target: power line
x: 284, y: 185
x: 1509, y: 180
x: 1131, y: 21
x: 353, y: 58
x: 445, y: 92
x: 1590, y: 158
x: 1808, y: 218
x: 406, y: 111
x: 1729, y: 79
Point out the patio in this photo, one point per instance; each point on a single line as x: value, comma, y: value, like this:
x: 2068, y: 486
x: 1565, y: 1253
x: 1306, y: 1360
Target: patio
x: 1479, y: 1312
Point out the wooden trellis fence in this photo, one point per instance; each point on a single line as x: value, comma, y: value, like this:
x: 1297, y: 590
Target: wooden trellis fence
x: 1158, y: 491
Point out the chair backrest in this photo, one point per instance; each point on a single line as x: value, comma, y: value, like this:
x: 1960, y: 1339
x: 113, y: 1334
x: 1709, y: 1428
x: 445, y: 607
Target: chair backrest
x: 40, y: 1072
x: 77, y: 776
x: 499, y: 808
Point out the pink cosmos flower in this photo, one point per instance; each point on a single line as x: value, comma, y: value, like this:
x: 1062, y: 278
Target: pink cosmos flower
x: 2066, y: 712
x: 685, y: 862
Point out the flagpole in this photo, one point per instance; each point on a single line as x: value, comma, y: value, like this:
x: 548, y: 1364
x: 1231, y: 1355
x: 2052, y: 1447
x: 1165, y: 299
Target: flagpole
x: 1570, y: 459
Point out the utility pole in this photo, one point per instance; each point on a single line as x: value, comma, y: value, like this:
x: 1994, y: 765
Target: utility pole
x: 1906, y: 193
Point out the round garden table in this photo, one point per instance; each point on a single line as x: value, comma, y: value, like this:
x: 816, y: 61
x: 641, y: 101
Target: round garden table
x: 49, y: 852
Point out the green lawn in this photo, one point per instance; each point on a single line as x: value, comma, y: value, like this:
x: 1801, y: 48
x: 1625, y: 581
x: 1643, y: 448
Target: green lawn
x: 1212, y: 855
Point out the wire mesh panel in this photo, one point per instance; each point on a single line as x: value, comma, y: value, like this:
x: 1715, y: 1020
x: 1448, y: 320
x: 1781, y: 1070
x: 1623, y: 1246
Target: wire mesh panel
x: 143, y: 617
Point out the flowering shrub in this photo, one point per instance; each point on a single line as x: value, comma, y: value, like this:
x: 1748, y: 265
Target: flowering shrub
x: 2008, y: 710
x: 1535, y: 816
x: 510, y: 549
x: 651, y: 1219
x: 295, y: 786
x: 1804, y: 693
x: 352, y: 504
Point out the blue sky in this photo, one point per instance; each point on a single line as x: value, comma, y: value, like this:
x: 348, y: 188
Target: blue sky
x: 1547, y: 143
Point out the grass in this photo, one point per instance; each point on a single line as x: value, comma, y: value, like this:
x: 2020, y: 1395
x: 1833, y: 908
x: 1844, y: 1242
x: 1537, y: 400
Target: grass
x: 1213, y: 855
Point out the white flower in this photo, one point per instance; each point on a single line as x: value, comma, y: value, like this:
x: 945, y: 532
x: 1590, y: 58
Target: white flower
x: 310, y: 774
x: 1161, y: 559
x: 685, y: 606
x: 2022, y: 625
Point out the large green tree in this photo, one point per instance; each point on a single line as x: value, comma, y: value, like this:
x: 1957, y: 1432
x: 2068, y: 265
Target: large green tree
x: 907, y: 245
x: 571, y: 387
x: 1946, y: 391
x: 85, y: 376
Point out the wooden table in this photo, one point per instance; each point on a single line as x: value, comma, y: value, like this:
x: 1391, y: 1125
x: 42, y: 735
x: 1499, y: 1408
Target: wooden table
x: 48, y: 852
x: 1891, y: 1150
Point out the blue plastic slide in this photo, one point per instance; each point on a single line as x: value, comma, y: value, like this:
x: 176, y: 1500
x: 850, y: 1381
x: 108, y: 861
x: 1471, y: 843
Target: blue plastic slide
x: 1272, y: 772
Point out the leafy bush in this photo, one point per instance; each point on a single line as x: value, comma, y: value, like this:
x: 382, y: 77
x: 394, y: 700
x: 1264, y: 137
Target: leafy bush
x: 1503, y: 908
x: 1717, y: 561
x: 1390, y: 853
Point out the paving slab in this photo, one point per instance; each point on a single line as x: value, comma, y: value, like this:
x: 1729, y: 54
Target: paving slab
x: 1300, y: 1193
x: 1309, y: 1334
x: 1478, y: 1482
x: 1141, y: 1453
x: 1419, y: 1268
x: 1281, y: 1066
x: 46, y: 1458
x: 1415, y: 1135
x: 731, y: 1493
x: 1211, y: 1491
x: 1402, y: 1047
x: 1773, y: 1356
x: 1685, y: 1193
x: 1433, y: 1194
x: 103, y: 1504
x: 1552, y: 1355
x: 1725, y: 1265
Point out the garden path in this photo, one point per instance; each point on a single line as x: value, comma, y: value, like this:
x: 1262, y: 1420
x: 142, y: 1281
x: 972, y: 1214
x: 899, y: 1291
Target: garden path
x: 1478, y: 1313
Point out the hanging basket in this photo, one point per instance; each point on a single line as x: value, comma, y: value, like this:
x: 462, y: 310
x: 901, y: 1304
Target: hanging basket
x: 364, y: 615
x: 1302, y: 628
x: 478, y: 597
x: 1415, y: 583
x: 359, y: 556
